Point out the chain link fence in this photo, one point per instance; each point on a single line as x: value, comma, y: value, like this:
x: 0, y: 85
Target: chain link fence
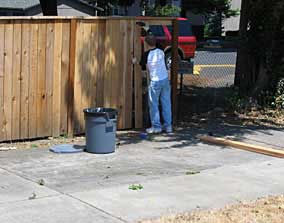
x: 210, y: 84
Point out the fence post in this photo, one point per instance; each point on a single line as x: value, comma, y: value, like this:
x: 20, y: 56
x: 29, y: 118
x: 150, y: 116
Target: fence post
x: 174, y: 68
x: 70, y: 102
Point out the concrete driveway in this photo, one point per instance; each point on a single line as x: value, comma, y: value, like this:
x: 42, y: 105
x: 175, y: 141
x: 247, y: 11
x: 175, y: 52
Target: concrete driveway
x: 177, y: 172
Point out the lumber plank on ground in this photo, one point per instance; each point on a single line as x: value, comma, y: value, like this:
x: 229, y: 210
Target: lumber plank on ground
x: 242, y: 145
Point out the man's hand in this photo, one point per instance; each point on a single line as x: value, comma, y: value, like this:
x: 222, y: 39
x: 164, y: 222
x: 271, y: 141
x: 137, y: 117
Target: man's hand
x: 134, y: 60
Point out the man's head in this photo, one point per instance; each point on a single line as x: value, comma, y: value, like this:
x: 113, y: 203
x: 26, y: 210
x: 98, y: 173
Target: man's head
x: 151, y: 40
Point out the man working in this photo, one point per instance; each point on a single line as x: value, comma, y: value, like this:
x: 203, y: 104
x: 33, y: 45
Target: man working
x: 159, y: 88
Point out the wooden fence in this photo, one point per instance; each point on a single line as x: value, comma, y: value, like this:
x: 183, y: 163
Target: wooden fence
x: 52, y: 68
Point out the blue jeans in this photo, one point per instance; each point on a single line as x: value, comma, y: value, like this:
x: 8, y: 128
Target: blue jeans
x: 160, y: 91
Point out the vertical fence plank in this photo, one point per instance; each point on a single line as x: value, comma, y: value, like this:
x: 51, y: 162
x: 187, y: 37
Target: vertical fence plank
x: 113, y: 82
x: 125, y: 74
x: 94, y: 62
x: 138, y: 79
x: 85, y: 75
x: 33, y: 79
x: 2, y: 48
x: 56, y: 102
x: 49, y: 77
x: 77, y: 78
x: 25, y: 67
x: 8, y: 77
x: 71, y: 78
x: 108, y: 63
x: 64, y: 76
x: 120, y: 75
x: 116, y: 81
x: 41, y: 81
x: 128, y: 96
x: 122, y: 66
x: 16, y: 85
x: 101, y: 60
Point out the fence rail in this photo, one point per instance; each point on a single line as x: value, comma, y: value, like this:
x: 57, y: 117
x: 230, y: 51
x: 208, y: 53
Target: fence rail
x: 52, y: 68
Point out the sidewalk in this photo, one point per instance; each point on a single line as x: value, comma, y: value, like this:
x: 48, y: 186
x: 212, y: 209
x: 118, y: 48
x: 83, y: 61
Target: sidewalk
x: 178, y: 174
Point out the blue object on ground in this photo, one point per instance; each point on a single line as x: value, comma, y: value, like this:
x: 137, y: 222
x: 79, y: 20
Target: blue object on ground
x: 143, y: 135
x: 66, y: 148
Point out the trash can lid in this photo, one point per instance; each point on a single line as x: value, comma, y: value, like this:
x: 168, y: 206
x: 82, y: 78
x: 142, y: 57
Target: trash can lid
x: 110, y: 112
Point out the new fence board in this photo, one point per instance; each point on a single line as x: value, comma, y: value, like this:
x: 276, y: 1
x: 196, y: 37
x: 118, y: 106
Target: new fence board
x: 16, y: 85
x: 51, y: 68
x: 138, y: 80
x: 25, y: 73
x: 50, y: 75
x: 65, y: 62
x: 32, y: 121
x: 78, y: 78
x: 41, y: 97
x: 57, y: 78
x: 102, y: 44
x: 2, y: 38
x: 8, y: 79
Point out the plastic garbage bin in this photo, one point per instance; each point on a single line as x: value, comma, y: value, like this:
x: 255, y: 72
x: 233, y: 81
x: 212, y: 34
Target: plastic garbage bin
x: 100, y: 130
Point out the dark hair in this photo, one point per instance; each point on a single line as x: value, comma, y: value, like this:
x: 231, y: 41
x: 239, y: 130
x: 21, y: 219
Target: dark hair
x: 151, y: 40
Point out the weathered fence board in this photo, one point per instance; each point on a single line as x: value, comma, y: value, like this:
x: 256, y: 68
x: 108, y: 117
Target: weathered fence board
x: 51, y: 68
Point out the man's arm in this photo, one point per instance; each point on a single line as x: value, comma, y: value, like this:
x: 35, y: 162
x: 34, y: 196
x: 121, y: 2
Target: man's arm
x: 143, y: 61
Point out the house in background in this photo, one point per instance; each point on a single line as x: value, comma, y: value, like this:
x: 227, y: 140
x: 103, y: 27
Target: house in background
x: 233, y: 23
x: 33, y: 8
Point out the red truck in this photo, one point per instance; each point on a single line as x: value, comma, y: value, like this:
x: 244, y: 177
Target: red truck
x: 186, y: 39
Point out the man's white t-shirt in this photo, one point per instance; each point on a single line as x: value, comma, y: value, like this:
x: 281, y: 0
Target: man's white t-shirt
x: 154, y: 59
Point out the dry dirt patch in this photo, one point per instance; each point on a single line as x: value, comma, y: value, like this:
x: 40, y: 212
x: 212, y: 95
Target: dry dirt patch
x: 265, y: 210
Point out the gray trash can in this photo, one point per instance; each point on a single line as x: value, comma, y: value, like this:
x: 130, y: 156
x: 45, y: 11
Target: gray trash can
x: 100, y: 130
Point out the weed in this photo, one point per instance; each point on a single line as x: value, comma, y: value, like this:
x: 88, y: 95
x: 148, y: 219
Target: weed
x: 192, y: 172
x: 135, y: 187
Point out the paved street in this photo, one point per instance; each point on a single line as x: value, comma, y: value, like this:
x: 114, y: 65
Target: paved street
x: 215, y: 56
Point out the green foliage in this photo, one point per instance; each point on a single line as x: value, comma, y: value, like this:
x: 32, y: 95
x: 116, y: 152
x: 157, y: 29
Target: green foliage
x: 279, y: 96
x: 135, y: 187
x: 215, y: 12
x: 167, y: 10
x: 235, y: 101
x: 270, y: 98
x: 214, y: 27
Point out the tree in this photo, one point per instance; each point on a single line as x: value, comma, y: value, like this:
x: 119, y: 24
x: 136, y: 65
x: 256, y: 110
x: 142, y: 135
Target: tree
x: 159, y: 8
x: 215, y: 12
x: 49, y: 7
x: 260, y: 61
